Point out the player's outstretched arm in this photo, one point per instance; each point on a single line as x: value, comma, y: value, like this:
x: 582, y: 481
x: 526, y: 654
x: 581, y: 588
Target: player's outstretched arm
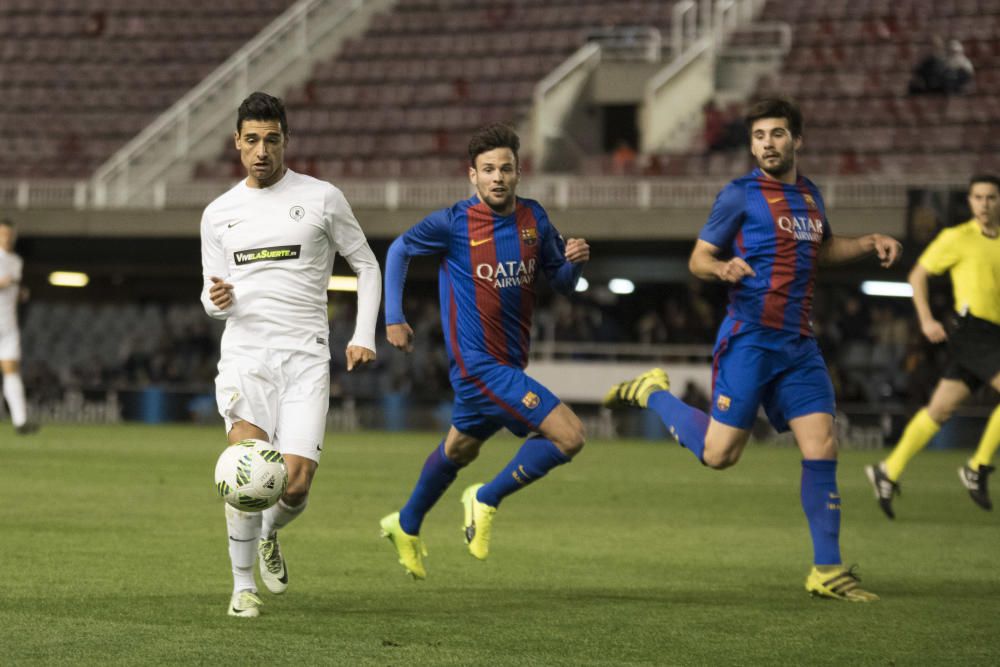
x: 931, y: 328
x: 705, y: 264
x: 841, y: 249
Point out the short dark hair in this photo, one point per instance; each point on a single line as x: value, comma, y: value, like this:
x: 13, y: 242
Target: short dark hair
x: 7, y: 222
x: 775, y: 108
x: 985, y: 178
x: 495, y: 135
x: 261, y: 106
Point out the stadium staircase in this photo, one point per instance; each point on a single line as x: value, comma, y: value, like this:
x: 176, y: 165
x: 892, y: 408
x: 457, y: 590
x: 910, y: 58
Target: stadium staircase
x: 849, y: 67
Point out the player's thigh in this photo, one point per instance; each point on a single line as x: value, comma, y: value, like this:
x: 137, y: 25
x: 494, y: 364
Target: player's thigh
x: 303, y: 404
x: 815, y: 435
x: 948, y: 395
x: 10, y: 366
x: 244, y: 430
x: 742, y: 370
x: 802, y: 387
x: 500, y: 395
x: 246, y: 390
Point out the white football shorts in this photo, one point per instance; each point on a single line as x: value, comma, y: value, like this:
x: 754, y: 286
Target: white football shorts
x: 10, y: 345
x: 285, y: 393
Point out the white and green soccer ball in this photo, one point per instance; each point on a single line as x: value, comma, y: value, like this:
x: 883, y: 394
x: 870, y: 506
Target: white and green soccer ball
x: 251, y: 475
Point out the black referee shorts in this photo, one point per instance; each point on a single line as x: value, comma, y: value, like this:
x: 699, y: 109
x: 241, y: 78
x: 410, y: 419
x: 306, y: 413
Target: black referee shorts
x: 974, y: 348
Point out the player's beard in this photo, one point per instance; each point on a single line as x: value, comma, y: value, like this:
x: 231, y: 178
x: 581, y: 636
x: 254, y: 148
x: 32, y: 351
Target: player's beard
x: 784, y: 166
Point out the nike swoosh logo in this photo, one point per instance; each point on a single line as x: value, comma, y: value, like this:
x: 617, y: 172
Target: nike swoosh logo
x: 474, y: 243
x: 775, y: 200
x: 233, y: 224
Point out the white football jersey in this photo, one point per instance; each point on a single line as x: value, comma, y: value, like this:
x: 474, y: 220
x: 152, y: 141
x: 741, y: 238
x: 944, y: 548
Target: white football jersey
x: 10, y: 266
x: 276, y: 247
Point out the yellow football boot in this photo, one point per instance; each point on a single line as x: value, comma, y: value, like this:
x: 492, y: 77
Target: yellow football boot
x: 478, y: 523
x: 410, y: 548
x: 635, y: 393
x: 838, y: 583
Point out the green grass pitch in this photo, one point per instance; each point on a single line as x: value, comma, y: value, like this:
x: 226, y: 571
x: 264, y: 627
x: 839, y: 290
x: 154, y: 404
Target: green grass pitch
x: 113, y: 552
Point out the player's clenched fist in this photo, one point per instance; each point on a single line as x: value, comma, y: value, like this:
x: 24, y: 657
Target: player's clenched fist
x: 400, y: 336
x: 221, y: 293
x: 577, y: 250
x: 357, y: 355
x: 734, y: 270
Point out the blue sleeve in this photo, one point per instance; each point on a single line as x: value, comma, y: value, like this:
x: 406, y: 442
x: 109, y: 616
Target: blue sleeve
x: 428, y: 237
x: 561, y: 274
x: 726, y: 218
x: 821, y: 205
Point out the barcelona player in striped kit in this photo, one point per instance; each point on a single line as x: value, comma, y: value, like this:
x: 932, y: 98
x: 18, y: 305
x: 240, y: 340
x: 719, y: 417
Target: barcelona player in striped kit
x: 765, y: 236
x: 492, y: 246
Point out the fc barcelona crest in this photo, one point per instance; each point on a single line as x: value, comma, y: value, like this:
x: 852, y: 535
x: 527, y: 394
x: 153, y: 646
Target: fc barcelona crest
x: 529, y: 235
x: 531, y: 400
x: 723, y: 403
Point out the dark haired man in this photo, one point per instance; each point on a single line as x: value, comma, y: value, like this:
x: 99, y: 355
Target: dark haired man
x: 970, y: 253
x: 766, y: 235
x: 268, y: 246
x: 10, y: 337
x: 491, y: 247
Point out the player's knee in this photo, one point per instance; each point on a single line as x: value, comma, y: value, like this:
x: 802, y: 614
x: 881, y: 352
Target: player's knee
x: 720, y: 460
x: 462, y: 453
x: 571, y: 437
x: 295, y: 494
x: 940, y: 413
x: 720, y: 456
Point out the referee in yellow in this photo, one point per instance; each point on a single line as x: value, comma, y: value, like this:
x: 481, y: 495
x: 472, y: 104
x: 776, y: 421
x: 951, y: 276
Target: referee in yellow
x: 970, y: 252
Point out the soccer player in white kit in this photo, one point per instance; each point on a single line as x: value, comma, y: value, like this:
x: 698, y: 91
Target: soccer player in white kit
x: 268, y: 246
x: 10, y: 338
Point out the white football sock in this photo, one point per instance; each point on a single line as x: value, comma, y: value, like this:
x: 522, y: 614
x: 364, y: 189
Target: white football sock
x: 13, y: 391
x: 278, y: 516
x: 244, y: 531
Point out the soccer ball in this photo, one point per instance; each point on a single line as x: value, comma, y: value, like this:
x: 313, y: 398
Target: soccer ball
x: 251, y: 475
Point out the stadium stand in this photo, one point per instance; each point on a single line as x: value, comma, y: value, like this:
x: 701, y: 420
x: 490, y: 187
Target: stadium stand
x: 849, y: 68
x: 397, y: 102
x: 81, y: 77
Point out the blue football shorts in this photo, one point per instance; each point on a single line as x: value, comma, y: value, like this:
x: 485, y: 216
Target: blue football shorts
x: 493, y: 396
x: 756, y: 365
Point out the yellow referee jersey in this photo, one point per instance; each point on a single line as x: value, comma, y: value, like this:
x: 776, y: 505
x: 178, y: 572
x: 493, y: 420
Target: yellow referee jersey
x: 973, y: 260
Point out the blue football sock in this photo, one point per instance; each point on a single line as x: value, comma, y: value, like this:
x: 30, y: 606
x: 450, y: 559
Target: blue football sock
x: 438, y: 474
x: 687, y: 424
x: 536, y: 457
x: 821, y: 503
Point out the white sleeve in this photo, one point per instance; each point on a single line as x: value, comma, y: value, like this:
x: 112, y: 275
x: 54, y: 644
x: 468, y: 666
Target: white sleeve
x: 213, y: 263
x: 365, y: 266
x: 343, y: 227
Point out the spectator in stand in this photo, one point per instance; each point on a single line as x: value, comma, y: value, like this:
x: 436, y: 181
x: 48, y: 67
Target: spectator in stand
x: 958, y: 70
x: 930, y: 75
x: 623, y: 159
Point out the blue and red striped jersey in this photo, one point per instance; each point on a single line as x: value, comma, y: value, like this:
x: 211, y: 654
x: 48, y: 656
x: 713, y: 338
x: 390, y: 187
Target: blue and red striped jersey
x: 777, y: 229
x: 486, y: 281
